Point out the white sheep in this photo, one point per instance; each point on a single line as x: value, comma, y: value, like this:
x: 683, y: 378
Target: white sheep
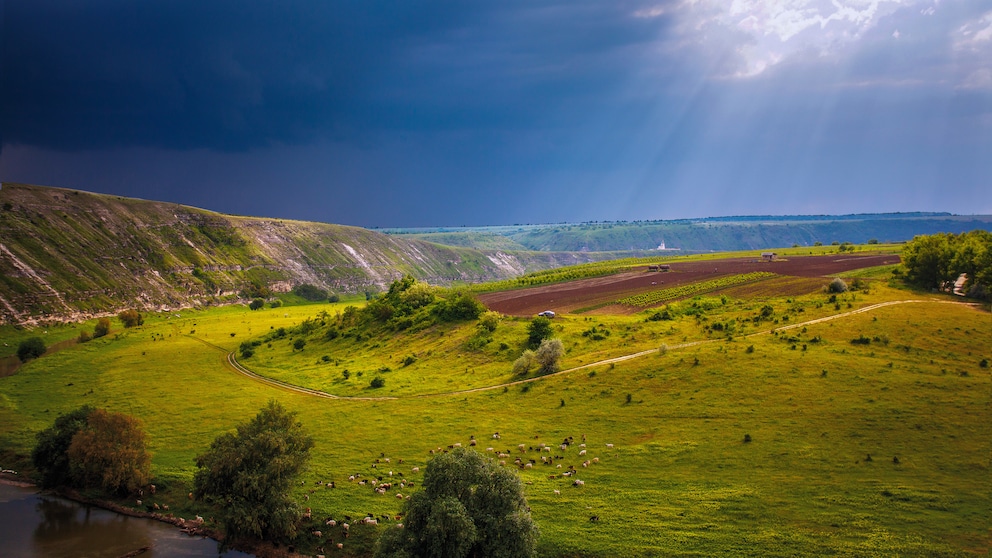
x: 609, y: 446
x: 416, y: 469
x: 557, y: 492
x: 583, y: 452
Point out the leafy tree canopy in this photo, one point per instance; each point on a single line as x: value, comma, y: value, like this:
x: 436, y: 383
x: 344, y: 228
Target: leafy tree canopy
x: 248, y: 474
x: 109, y: 453
x: 51, y: 454
x: 468, y: 506
x: 32, y: 347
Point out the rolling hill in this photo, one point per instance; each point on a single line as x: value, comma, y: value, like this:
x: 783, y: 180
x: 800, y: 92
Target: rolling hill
x: 66, y: 254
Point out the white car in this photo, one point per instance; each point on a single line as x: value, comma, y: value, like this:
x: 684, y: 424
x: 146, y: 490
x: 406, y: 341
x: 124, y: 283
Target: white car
x: 547, y: 314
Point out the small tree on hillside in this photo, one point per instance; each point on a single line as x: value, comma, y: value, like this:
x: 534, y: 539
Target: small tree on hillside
x: 102, y: 327
x: 468, y: 506
x: 837, y: 286
x: 489, y: 320
x: 50, y: 455
x: 130, y: 318
x: 538, y: 330
x: 548, y: 355
x: 248, y: 474
x: 256, y: 304
x: 109, y: 453
x: 30, y: 348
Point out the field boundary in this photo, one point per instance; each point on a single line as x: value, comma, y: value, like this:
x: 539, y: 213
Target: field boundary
x: 233, y: 363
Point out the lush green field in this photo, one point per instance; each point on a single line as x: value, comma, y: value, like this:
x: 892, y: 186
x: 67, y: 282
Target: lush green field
x: 679, y: 480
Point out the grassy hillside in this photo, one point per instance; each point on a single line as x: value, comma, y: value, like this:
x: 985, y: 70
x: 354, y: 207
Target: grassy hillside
x: 67, y: 254
x: 679, y: 479
x: 715, y: 234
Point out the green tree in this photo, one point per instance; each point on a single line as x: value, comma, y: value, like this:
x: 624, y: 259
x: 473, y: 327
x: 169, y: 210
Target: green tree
x: 548, y: 355
x: 51, y: 454
x: 524, y: 363
x: 468, y: 506
x: 256, y: 304
x: 310, y: 292
x: 109, y: 453
x: 489, y: 320
x: 102, y: 327
x: 538, y: 330
x: 248, y: 474
x: 32, y: 347
x: 927, y: 259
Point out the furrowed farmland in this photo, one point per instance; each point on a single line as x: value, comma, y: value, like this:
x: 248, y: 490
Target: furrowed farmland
x: 753, y: 413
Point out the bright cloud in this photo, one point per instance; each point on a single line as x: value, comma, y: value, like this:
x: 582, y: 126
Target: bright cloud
x: 775, y: 30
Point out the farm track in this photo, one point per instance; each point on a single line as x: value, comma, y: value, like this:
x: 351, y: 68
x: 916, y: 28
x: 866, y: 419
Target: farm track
x: 232, y: 362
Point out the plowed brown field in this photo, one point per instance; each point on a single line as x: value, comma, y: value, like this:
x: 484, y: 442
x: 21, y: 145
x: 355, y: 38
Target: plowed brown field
x: 584, y: 293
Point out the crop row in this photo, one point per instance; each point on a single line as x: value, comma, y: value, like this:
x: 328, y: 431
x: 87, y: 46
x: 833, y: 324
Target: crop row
x: 562, y: 274
x: 683, y: 291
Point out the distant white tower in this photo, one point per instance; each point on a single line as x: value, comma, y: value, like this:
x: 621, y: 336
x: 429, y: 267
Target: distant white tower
x: 662, y: 245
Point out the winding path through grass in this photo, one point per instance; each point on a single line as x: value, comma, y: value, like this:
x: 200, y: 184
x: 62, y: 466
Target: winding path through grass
x: 233, y: 363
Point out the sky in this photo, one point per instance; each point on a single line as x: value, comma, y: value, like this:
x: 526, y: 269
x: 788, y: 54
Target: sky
x: 448, y: 113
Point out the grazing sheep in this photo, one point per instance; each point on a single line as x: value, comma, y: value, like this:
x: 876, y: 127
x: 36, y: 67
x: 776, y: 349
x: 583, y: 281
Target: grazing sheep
x: 522, y: 447
x: 137, y: 502
x: 582, y: 445
x: 317, y: 534
x: 471, y: 443
x: 595, y: 460
x: 345, y: 526
x: 490, y: 450
x: 199, y: 519
x: 416, y: 469
x: 609, y: 446
x: 151, y: 488
x: 583, y: 452
x: 578, y: 482
x: 340, y: 546
x: 165, y: 507
x: 528, y: 465
x: 332, y: 523
x: 557, y: 492
x: 457, y: 444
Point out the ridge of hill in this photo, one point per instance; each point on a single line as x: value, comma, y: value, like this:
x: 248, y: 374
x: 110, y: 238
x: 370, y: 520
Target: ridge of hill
x: 67, y: 254
x: 715, y: 234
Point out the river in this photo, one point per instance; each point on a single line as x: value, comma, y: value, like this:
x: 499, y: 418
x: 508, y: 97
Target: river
x: 39, y: 526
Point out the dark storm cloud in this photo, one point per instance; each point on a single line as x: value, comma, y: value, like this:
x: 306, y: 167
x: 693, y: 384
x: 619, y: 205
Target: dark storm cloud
x: 236, y: 75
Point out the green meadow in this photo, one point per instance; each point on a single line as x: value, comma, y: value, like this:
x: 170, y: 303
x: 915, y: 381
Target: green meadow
x: 875, y: 448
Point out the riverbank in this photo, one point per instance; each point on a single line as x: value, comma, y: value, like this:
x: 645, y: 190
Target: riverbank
x: 190, y: 527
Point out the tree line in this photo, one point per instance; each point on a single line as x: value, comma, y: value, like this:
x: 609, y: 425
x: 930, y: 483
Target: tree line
x: 935, y: 261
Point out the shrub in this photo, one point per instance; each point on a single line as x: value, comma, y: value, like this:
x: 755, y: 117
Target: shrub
x: 310, y: 292
x: 523, y: 364
x: 333, y: 298
x: 489, y: 320
x: 102, y: 328
x: 256, y: 304
x: 275, y: 304
x: 377, y: 382
x: 837, y: 286
x: 84, y: 336
x: 409, y: 359
x: 130, y: 318
x: 747, y: 438
x: 299, y: 344
x: 30, y: 348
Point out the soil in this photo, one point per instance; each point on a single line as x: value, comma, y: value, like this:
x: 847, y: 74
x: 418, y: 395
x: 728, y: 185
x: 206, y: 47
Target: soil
x: 597, y: 293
